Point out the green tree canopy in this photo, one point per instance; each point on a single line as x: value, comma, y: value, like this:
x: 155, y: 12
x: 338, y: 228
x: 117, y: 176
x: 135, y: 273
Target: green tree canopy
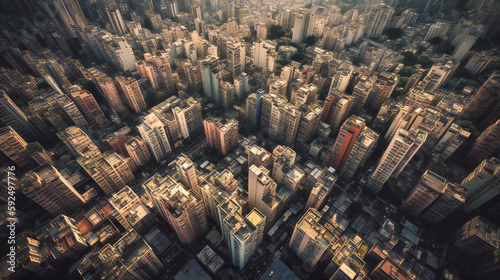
x: 436, y: 40
x: 407, y: 71
x: 275, y: 32
x: 468, y: 126
x: 311, y: 40
x: 394, y: 33
x: 33, y: 148
x: 148, y: 24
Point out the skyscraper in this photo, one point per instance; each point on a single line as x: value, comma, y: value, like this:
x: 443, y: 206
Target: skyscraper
x: 378, y: 19
x: 258, y: 156
x: 482, y: 184
x: 245, y: 235
x: 49, y: 189
x: 88, y: 106
x: 262, y: 193
x: 131, y: 211
x: 477, y: 237
x: 107, y: 89
x: 288, y: 125
x: 426, y: 191
x: 264, y: 55
x: 270, y: 113
x: 153, y: 132
x: 453, y: 197
x: 485, y: 145
x: 177, y: 205
x: 254, y: 108
x: 111, y: 172
x: 115, y: 18
x: 236, y: 58
x: 346, y: 138
x: 189, y: 118
x: 361, y: 151
x: 227, y: 93
x: 399, y: 152
x: 311, y: 238
x: 129, y: 87
x: 485, y: 98
x: 210, y: 77
x: 78, y: 142
x: 309, y: 125
x: 303, y: 26
x: 221, y: 134
x: 187, y: 173
x: 138, y: 151
x: 12, y: 116
x: 14, y: 147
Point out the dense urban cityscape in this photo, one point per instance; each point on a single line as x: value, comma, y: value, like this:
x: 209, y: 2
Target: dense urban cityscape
x: 258, y: 139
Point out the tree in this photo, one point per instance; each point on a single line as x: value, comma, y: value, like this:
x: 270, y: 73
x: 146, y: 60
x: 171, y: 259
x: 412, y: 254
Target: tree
x: 410, y: 58
x: 275, y: 32
x: 402, y: 82
x: 148, y: 24
x: 469, y: 127
x: 33, y: 147
x: 139, y: 55
x: 308, y: 6
x: 297, y: 56
x: 436, y: 40
x: 394, y: 33
x: 407, y: 71
x: 311, y: 40
x: 283, y: 61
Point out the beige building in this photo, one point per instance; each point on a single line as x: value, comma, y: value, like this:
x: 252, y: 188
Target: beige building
x: 14, y: 147
x: 49, y: 189
x: 138, y: 151
x: 221, y: 134
x: 181, y: 208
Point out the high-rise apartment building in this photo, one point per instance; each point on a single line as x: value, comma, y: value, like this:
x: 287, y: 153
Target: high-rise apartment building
x: 67, y: 15
x: 129, y: 87
x: 153, y: 132
x: 211, y: 77
x: 426, y: 191
x: 78, y: 142
x: 382, y: 89
x: 451, y: 140
x: 401, y: 149
x: 264, y: 55
x: 311, y: 238
x: 309, y: 124
x: 187, y: 173
x: 270, y: 113
x: 378, y: 19
x: 321, y: 189
x: 254, y: 108
x: 236, y: 58
x: 288, y: 125
x: 183, y: 210
x: 131, y: 211
x: 361, y: 93
x: 453, y: 197
x: 259, y: 156
x: 262, y: 193
x: 346, y: 138
x: 484, y: 99
x: 479, y: 62
x: 245, y: 235
x: 221, y: 134
x: 477, y: 237
x: 485, y: 145
x: 482, y: 184
x: 111, y: 172
x: 107, y: 89
x: 303, y: 26
x: 12, y: 116
x: 49, y: 189
x: 14, y: 147
x: 227, y: 93
x: 115, y: 18
x: 138, y: 151
x: 340, y: 107
x: 189, y: 118
x: 361, y: 150
x: 88, y: 106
